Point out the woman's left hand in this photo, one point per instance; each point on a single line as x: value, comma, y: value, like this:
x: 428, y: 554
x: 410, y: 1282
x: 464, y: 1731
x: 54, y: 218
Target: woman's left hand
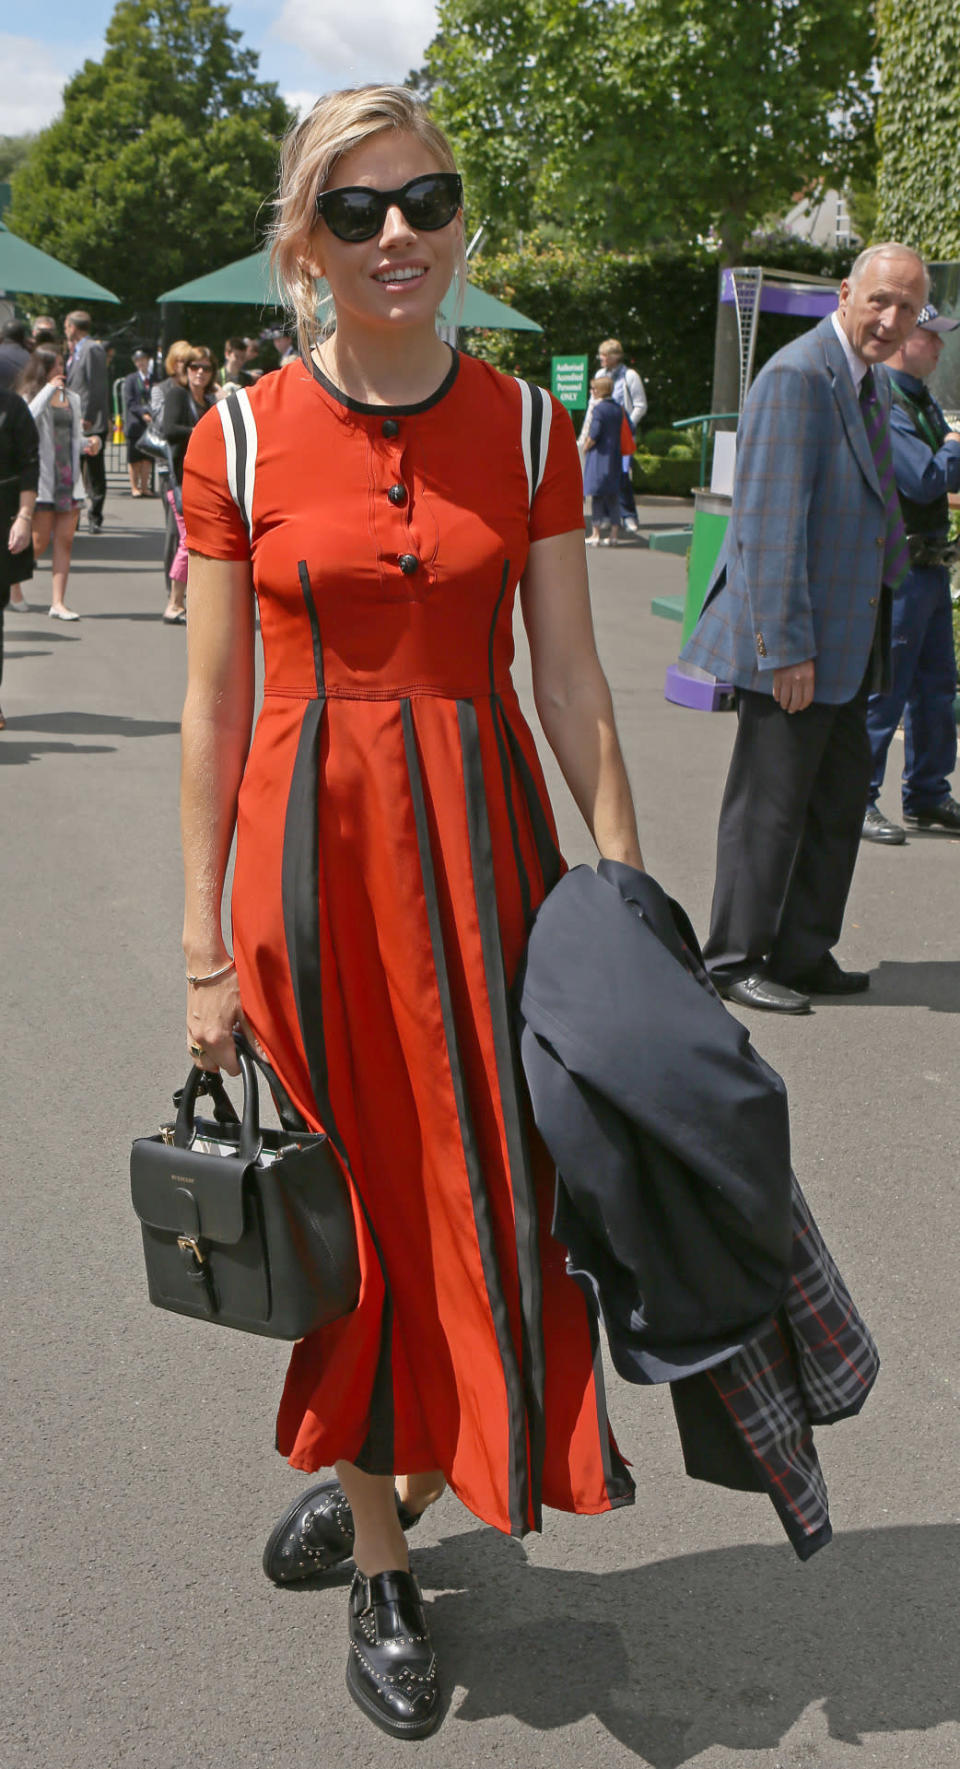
x: 92, y: 446
x: 20, y: 530
x: 213, y: 1010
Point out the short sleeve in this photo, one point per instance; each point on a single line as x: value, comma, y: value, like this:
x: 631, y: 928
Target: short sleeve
x: 214, y: 525
x: 558, y: 504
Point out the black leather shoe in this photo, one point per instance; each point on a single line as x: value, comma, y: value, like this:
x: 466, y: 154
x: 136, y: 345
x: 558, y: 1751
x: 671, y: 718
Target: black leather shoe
x: 826, y: 978
x: 878, y: 828
x: 759, y: 990
x: 315, y: 1534
x: 392, y: 1667
x: 945, y: 815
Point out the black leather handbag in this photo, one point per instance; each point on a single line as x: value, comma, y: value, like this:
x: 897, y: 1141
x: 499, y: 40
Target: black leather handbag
x: 150, y: 442
x: 241, y: 1226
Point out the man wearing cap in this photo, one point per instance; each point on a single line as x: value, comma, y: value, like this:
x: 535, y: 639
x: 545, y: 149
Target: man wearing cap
x: 926, y: 464
x: 797, y: 617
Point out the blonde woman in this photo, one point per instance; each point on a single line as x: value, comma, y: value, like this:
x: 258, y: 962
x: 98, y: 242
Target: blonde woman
x: 393, y: 839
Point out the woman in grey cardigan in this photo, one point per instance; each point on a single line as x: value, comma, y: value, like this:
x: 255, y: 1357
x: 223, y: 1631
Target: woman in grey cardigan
x: 56, y: 413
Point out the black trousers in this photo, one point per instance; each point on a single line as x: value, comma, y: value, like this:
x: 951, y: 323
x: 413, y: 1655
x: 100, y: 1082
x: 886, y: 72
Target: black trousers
x: 94, y: 470
x: 789, y: 835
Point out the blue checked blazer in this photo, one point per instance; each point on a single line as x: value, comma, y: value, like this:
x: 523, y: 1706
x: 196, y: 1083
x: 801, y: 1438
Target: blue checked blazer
x: 800, y: 572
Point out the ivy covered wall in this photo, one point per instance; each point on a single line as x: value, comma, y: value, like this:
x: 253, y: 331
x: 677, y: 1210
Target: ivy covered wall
x: 918, y: 125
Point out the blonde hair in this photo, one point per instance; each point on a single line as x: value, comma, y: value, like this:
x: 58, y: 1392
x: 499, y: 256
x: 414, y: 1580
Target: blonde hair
x: 602, y: 386
x: 337, y: 123
x: 177, y: 353
x: 611, y: 345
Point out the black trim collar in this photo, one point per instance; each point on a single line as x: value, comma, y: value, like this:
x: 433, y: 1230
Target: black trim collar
x: 386, y: 411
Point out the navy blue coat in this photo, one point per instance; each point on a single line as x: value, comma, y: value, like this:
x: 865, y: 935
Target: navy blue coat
x: 675, y: 1198
x: 670, y: 1134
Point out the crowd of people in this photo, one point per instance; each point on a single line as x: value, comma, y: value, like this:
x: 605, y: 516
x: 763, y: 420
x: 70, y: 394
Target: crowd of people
x: 56, y: 409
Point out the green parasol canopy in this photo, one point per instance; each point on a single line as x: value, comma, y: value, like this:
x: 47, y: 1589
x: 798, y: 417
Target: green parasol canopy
x: 26, y: 270
x: 248, y: 282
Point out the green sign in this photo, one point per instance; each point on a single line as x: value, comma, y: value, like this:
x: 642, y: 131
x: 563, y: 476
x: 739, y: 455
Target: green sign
x: 569, y: 380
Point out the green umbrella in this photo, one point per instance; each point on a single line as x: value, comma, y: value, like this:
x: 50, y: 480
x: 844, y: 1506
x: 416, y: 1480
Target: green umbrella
x: 481, y: 309
x: 248, y: 282
x: 26, y: 270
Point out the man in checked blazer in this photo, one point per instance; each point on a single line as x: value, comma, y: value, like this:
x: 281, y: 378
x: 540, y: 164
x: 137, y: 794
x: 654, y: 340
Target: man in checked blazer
x: 797, y: 617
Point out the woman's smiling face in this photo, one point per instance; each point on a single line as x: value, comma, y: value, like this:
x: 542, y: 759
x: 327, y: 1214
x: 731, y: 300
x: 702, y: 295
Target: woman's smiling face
x: 400, y: 276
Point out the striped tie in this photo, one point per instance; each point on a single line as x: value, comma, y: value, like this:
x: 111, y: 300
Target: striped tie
x: 896, y: 553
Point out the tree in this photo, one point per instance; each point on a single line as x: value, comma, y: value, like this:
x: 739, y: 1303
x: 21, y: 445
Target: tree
x: 631, y: 121
x: 160, y: 163
x: 918, y: 126
x: 14, y: 150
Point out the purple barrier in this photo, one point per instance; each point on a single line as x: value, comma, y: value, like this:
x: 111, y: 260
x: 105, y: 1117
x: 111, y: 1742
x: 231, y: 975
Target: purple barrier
x: 781, y: 298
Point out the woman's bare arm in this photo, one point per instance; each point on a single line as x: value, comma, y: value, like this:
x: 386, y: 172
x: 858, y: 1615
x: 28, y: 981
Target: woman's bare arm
x: 217, y: 718
x: 572, y: 695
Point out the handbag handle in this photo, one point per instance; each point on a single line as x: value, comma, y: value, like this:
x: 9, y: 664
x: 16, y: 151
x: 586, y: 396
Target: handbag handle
x: 210, y: 1082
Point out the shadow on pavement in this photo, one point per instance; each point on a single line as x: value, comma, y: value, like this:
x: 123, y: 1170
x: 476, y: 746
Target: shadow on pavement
x: 13, y: 755
x: 724, y: 1648
x: 74, y: 724
x: 54, y: 632
x: 932, y: 983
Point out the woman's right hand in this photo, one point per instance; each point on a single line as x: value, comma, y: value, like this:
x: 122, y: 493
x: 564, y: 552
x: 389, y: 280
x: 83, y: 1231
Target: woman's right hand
x: 213, y: 1009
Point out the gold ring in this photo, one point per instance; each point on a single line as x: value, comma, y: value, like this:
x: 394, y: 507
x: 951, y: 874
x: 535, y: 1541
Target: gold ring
x: 196, y: 1049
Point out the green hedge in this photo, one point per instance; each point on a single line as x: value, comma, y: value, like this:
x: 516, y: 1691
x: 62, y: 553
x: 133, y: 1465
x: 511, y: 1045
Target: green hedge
x: 918, y: 125
x: 661, y: 305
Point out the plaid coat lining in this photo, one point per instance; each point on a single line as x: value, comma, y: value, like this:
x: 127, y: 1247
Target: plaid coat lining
x: 814, y: 1363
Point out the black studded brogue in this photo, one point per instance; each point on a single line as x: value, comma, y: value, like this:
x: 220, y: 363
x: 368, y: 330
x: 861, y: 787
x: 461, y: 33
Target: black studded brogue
x: 391, y: 1666
x: 315, y: 1534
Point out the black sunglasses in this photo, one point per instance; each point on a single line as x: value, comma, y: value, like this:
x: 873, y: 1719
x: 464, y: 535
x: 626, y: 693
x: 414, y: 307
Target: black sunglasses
x: 426, y: 204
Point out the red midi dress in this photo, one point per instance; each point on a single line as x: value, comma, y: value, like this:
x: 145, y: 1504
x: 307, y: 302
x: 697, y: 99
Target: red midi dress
x: 393, y: 838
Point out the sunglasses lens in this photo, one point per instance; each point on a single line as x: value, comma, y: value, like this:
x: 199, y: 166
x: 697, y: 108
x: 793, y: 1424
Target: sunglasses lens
x: 430, y: 203
x: 353, y: 214
x: 427, y: 203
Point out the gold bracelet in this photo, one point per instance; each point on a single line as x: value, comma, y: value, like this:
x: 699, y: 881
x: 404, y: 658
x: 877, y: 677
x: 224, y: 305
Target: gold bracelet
x: 214, y: 975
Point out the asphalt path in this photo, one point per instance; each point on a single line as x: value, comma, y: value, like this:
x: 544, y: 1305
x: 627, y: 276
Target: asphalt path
x: 138, y: 1474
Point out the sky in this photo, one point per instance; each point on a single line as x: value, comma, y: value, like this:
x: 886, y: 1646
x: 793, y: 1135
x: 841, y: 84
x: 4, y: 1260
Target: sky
x: 306, y: 46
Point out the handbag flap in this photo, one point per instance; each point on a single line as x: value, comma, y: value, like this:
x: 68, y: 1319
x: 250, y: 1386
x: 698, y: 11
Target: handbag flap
x: 185, y: 1192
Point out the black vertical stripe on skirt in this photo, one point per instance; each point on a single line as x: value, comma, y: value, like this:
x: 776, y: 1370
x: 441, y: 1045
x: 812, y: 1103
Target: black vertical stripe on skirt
x: 511, y: 1095
x: 518, y: 1473
x: 526, y: 902
x: 300, y: 896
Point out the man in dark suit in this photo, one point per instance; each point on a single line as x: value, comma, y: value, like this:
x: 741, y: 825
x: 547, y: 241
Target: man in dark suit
x: 87, y: 376
x: 797, y: 617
